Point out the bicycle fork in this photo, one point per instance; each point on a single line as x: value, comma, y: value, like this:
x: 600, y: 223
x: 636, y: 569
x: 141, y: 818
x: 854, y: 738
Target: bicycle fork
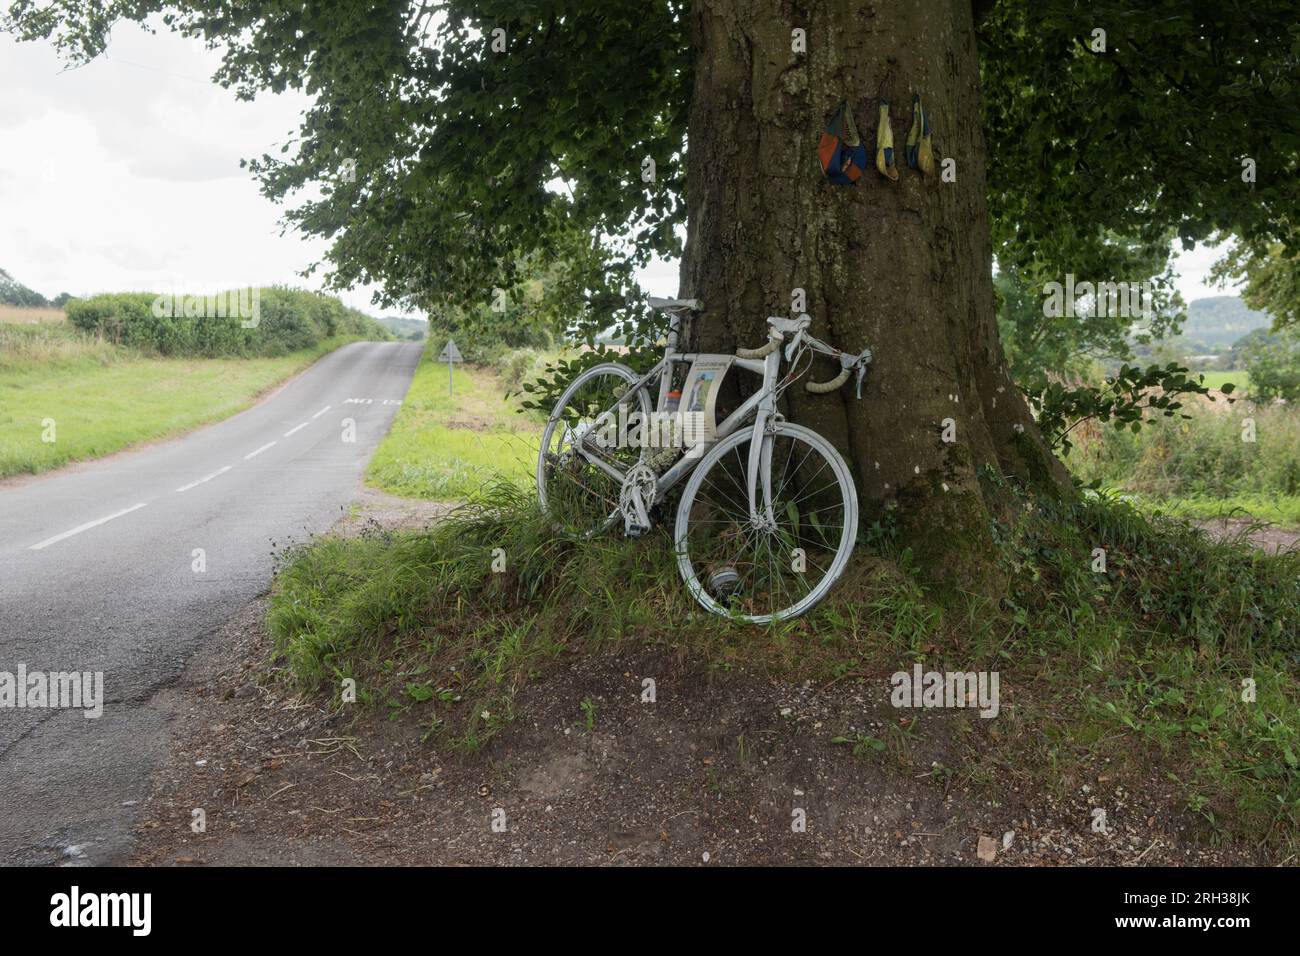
x: 759, y: 472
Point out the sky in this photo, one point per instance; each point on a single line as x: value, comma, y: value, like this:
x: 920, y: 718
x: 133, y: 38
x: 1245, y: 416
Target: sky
x: 124, y: 175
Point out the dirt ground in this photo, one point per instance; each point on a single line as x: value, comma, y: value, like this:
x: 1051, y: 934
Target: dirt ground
x: 1266, y: 538
x: 722, y: 768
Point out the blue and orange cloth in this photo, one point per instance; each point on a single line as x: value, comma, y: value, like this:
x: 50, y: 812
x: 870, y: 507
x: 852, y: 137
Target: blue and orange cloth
x: 841, y: 151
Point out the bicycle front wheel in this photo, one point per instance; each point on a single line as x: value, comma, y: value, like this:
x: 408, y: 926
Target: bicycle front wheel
x: 759, y: 567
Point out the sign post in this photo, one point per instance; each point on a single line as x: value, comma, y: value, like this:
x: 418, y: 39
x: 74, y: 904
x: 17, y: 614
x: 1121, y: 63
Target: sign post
x: 450, y: 355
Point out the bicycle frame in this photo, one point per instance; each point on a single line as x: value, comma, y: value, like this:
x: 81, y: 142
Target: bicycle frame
x: 762, y: 405
x: 745, y: 517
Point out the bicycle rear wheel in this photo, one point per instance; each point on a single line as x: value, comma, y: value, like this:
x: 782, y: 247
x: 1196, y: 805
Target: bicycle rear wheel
x: 579, y: 495
x: 758, y: 570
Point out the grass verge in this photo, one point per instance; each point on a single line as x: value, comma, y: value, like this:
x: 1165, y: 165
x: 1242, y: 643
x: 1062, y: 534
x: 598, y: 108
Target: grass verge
x: 93, y: 399
x: 445, y: 447
x: 1174, y: 661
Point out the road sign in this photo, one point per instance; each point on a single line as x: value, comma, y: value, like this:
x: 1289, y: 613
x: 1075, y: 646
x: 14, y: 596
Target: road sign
x: 450, y: 355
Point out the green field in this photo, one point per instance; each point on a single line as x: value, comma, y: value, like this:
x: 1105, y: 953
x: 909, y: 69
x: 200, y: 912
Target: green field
x: 1274, y: 509
x: 1241, y: 379
x: 446, y: 448
x: 101, y: 399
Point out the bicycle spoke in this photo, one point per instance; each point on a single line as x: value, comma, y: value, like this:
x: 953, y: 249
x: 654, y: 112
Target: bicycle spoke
x: 753, y: 565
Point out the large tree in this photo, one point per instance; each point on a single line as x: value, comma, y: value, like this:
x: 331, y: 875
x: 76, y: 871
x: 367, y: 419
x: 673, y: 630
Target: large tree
x: 451, y: 141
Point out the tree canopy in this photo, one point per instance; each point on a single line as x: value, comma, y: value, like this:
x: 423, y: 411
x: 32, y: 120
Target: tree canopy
x: 13, y: 292
x: 450, y: 142
x: 1179, y: 117
x: 1272, y: 276
x: 1038, y: 343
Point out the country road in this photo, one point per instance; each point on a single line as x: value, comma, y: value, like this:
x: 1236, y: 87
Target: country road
x: 125, y: 566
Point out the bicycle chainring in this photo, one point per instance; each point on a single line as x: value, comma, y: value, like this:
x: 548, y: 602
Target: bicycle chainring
x: 640, y: 483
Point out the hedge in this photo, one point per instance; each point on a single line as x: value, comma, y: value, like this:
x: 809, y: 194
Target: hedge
x: 247, y: 322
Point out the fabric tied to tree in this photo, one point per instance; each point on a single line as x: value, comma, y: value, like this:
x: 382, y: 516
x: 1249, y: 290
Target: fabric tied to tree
x: 841, y: 151
x: 920, y: 153
x: 885, y: 145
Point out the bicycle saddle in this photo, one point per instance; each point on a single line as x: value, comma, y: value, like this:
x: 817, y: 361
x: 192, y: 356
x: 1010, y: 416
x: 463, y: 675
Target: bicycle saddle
x: 675, y: 305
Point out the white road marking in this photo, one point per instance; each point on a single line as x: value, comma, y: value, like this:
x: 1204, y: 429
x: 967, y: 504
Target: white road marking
x: 321, y: 412
x: 296, y: 428
x: 254, y: 454
x: 86, y: 527
x: 194, y: 484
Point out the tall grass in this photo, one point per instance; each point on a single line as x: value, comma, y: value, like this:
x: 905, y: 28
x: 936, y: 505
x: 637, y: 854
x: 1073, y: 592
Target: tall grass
x: 1210, y: 455
x: 50, y: 344
x: 26, y: 315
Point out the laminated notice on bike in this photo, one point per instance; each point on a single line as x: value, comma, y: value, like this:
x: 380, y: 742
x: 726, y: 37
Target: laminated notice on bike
x: 700, y: 396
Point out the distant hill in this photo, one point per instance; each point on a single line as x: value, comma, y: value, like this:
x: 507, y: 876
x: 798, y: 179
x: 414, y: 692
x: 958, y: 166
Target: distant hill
x: 413, y: 330
x: 13, y: 292
x: 1220, y: 320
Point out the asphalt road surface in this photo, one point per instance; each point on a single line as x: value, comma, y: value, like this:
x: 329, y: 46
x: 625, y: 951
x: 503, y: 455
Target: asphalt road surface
x: 101, y: 571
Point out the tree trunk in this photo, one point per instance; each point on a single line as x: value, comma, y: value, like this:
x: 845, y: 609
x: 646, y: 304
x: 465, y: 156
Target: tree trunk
x: 904, y: 267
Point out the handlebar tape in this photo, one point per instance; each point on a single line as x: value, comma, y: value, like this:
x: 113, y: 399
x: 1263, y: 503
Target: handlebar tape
x: 774, y: 340
x: 821, y: 388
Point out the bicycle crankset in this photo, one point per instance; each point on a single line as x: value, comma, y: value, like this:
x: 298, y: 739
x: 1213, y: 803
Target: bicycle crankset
x: 636, y: 497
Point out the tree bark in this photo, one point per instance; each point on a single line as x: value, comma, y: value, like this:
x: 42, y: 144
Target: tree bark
x: 904, y: 267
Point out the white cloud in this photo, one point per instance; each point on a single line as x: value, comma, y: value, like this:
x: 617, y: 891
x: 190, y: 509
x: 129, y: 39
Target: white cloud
x: 124, y: 173
x: 1193, y: 269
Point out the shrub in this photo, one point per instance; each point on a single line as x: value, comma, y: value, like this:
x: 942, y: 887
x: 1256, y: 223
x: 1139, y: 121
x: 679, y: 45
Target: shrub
x: 287, y: 320
x: 1273, y: 361
x: 518, y: 366
x: 1203, y: 456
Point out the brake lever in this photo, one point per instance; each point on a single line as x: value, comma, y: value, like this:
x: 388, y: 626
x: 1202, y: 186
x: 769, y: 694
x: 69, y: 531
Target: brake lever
x: 793, y: 346
x: 862, y: 361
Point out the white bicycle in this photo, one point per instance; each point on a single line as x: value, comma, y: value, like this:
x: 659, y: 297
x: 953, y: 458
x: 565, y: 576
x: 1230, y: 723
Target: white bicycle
x: 769, y: 514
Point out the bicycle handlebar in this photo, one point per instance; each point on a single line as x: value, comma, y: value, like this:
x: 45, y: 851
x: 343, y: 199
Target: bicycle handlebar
x: 822, y: 388
x: 848, y: 363
x: 774, y: 339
